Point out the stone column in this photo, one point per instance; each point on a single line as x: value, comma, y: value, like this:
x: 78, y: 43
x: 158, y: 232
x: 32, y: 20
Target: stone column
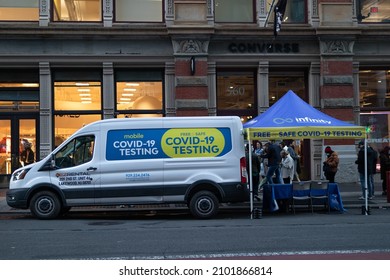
x: 107, y: 13
x: 44, y: 12
x: 108, y: 91
x: 262, y: 87
x: 212, y: 86
x: 45, y: 110
x: 170, y: 109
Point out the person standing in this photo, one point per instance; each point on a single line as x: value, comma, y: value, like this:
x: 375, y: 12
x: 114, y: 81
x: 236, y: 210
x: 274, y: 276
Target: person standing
x: 361, y: 169
x: 331, y: 164
x: 27, y: 155
x: 287, y: 168
x: 255, y: 176
x: 384, y: 160
x: 272, y: 153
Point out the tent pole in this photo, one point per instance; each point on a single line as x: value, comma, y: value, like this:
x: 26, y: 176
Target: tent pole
x: 322, y: 160
x: 250, y: 173
x: 365, y: 178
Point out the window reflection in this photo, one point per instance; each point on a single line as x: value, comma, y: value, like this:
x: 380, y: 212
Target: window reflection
x: 139, y: 10
x: 372, y: 11
x: 234, y: 11
x: 374, y: 88
x: 77, y: 10
x: 280, y: 84
x: 235, y: 90
x: 295, y: 11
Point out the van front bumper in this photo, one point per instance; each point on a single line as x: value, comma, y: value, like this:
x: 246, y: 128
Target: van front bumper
x: 17, y: 198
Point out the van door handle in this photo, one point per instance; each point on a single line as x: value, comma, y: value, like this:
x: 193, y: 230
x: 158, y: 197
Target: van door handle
x: 91, y: 168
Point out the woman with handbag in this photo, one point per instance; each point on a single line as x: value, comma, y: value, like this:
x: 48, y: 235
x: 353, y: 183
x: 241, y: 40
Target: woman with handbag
x: 330, y: 164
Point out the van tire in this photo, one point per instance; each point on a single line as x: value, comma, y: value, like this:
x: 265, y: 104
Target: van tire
x: 204, y: 205
x: 45, y: 205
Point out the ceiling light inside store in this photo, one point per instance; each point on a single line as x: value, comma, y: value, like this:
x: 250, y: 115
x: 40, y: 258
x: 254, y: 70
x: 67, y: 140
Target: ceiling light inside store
x: 84, y: 94
x: 82, y: 84
x: 132, y: 84
x: 83, y: 90
x: 127, y: 94
x: 130, y: 89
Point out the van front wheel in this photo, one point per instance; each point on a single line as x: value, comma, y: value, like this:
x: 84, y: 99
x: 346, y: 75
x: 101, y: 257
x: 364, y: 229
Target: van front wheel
x: 45, y: 205
x: 204, y: 205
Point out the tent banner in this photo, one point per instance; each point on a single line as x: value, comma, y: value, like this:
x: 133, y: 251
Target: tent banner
x: 351, y: 132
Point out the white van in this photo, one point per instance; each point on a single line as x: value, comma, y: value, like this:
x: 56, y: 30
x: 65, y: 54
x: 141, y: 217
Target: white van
x: 199, y: 161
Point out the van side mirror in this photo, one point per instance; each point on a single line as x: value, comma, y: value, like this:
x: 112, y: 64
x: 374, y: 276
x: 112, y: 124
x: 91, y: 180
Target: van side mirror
x: 53, y: 161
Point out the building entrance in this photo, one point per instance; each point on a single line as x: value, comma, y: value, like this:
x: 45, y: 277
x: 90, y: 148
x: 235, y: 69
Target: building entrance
x: 18, y: 143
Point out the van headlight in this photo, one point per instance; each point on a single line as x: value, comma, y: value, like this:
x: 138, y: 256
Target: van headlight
x: 19, y: 175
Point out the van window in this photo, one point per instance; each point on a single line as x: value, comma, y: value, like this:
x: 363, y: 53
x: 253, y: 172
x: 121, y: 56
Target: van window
x: 78, y: 151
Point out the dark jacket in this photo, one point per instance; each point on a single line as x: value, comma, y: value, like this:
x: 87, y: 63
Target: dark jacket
x: 370, y: 160
x: 384, y: 159
x: 273, y: 155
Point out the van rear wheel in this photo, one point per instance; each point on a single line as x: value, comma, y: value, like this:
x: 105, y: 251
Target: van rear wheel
x: 45, y: 205
x: 204, y: 205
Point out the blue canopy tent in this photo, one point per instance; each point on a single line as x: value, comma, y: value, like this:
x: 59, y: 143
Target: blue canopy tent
x: 292, y: 118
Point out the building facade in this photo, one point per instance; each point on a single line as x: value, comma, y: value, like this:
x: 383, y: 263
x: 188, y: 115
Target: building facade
x: 66, y: 63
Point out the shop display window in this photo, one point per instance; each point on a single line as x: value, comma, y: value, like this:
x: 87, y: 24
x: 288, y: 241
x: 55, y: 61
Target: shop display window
x: 19, y: 10
x: 139, y: 94
x: 77, y: 10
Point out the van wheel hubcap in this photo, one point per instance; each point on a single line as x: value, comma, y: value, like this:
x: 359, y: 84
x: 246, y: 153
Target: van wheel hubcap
x: 204, y: 205
x: 45, y: 205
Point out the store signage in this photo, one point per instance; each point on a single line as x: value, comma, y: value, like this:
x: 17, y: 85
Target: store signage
x: 263, y: 47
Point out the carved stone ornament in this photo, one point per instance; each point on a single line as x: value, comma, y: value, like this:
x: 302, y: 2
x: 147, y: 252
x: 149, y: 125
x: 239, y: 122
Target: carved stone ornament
x: 190, y: 46
x: 337, y: 47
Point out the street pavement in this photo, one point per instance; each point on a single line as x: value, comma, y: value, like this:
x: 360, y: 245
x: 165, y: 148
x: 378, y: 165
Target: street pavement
x: 350, y: 193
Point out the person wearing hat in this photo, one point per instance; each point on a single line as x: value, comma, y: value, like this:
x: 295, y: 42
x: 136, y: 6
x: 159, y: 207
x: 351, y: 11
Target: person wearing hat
x: 330, y: 164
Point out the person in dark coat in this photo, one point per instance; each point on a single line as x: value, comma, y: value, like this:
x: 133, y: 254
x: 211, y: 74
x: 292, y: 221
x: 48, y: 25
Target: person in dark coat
x: 370, y: 169
x: 384, y: 160
x: 255, y: 171
x: 272, y: 153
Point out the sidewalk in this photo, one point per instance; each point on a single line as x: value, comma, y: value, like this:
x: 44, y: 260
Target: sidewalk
x: 349, y: 192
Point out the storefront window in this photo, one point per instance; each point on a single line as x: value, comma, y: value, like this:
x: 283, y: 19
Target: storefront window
x: 139, y: 94
x: 374, y: 89
x: 67, y: 124
x: 77, y: 101
x: 139, y: 10
x: 77, y: 10
x: 19, y: 10
x: 18, y: 97
x: 281, y: 83
x: 234, y: 11
x: 236, y: 93
x: 77, y: 96
x: 370, y: 11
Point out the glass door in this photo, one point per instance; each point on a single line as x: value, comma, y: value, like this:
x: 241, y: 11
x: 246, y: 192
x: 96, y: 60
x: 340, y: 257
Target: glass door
x: 18, y: 142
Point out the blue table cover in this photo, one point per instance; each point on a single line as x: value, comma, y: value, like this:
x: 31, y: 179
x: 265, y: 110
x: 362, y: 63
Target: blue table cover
x: 274, y: 192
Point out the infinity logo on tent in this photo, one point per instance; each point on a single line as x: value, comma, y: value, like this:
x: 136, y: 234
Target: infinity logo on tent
x: 282, y: 121
x: 300, y: 120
